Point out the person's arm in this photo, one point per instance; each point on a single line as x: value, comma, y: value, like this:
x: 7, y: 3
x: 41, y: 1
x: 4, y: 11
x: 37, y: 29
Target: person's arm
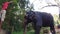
x: 11, y: 2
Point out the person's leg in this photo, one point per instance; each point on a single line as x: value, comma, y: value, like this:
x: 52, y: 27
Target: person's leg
x: 3, y: 12
x: 38, y: 28
x: 3, y: 15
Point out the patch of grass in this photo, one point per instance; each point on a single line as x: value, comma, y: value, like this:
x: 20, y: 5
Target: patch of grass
x: 22, y: 32
x: 31, y: 31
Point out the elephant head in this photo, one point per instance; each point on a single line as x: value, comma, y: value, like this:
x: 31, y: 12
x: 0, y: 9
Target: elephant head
x: 30, y: 15
x: 28, y: 18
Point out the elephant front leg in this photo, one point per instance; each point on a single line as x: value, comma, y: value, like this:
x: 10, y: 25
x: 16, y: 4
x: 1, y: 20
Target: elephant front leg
x: 25, y: 26
x: 37, y: 30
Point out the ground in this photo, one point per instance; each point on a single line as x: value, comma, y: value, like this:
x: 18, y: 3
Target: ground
x: 29, y: 32
x: 2, y: 32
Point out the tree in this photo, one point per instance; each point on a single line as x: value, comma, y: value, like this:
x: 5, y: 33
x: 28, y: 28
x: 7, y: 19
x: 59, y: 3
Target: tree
x: 51, y: 4
x: 13, y: 15
x: 58, y: 3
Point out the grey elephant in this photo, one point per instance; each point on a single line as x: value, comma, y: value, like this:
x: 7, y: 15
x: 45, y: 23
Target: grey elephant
x: 39, y: 19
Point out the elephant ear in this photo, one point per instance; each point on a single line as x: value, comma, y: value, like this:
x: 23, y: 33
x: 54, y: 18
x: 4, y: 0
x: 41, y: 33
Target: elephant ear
x: 34, y: 16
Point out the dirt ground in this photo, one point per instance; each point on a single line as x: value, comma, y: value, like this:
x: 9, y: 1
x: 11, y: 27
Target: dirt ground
x: 2, y: 32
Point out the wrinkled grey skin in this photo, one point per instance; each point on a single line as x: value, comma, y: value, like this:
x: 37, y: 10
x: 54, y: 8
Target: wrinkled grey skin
x: 39, y: 19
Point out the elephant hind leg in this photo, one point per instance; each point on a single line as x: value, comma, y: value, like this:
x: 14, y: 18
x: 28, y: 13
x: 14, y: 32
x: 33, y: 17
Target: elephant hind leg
x: 38, y: 28
x: 52, y: 30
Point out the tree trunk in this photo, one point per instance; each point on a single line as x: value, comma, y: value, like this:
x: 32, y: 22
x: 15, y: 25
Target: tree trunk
x: 59, y: 16
x: 59, y: 11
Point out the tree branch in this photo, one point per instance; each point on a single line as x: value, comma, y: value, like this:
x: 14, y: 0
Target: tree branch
x: 49, y: 6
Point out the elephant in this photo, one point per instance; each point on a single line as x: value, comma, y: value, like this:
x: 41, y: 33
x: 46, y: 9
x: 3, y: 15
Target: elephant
x: 39, y: 19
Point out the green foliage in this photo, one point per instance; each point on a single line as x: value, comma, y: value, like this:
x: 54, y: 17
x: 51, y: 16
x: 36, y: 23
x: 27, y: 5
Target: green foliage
x: 10, y: 20
x: 22, y: 32
x: 55, y: 18
x: 14, y: 14
x: 14, y: 18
